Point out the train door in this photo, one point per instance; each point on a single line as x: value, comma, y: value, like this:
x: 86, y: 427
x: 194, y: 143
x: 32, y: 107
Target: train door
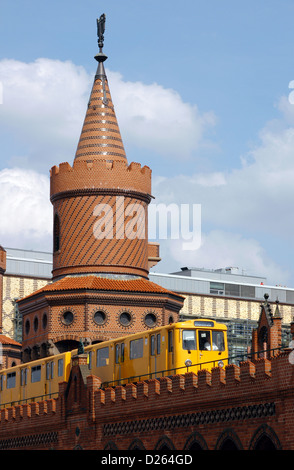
x: 170, y: 351
x: 119, y: 360
x: 49, y: 377
x: 154, y: 357
x: 205, y: 345
x: 24, y: 384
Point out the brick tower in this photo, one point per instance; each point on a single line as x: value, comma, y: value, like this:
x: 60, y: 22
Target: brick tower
x: 101, y: 254
x: 100, y: 203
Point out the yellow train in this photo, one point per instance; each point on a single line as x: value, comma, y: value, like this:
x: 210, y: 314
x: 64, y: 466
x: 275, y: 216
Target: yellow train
x: 163, y: 351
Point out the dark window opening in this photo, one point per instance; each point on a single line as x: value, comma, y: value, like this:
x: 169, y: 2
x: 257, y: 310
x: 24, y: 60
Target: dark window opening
x: 56, y: 231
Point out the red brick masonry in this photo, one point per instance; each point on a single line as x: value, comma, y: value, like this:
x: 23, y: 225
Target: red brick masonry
x: 241, y: 405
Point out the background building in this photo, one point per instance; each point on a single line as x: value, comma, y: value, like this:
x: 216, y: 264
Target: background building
x: 224, y: 294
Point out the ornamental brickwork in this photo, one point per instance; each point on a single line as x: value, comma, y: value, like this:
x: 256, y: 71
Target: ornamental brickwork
x: 245, y: 407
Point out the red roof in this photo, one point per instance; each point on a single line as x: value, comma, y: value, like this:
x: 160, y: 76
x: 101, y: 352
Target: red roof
x: 6, y: 340
x: 93, y: 282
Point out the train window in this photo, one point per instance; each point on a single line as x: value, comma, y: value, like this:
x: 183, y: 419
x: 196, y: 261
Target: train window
x: 90, y: 360
x: 23, y: 376
x: 204, y: 340
x: 158, y: 343
x: 102, y: 357
x: 203, y: 323
x: 189, y: 340
x: 36, y: 374
x: 1, y: 383
x: 119, y: 353
x: 218, y: 341
x: 152, y: 345
x: 170, y: 341
x: 136, y: 348
x: 49, y: 370
x: 60, y: 367
x: 11, y: 380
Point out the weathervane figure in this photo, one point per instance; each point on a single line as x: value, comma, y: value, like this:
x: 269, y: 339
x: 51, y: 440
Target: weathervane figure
x: 100, y: 30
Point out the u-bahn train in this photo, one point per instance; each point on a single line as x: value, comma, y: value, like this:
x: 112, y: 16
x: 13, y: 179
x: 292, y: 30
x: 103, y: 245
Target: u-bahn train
x: 163, y: 351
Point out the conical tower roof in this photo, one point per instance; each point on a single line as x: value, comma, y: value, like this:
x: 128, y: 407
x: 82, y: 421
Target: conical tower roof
x: 100, y: 138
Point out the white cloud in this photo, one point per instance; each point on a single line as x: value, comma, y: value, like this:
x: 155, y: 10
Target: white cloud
x: 156, y: 118
x: 44, y: 104
x: 220, y: 249
x: 25, y: 210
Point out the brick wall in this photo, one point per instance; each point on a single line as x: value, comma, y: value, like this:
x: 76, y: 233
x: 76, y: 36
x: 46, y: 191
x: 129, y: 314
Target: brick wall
x: 242, y: 406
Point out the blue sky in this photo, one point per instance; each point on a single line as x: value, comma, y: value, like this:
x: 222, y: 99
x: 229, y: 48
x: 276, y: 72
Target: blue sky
x: 201, y: 91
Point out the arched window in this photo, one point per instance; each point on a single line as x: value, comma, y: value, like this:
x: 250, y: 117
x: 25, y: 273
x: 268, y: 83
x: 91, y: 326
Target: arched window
x: 164, y: 444
x: 228, y: 440
x: 263, y: 340
x: 265, y: 443
x: 265, y: 438
x: 228, y: 444
x: 195, y: 442
x: 56, y: 234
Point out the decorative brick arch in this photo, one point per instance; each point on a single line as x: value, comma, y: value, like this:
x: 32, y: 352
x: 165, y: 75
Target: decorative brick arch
x: 111, y: 446
x: 228, y: 440
x: 136, y: 444
x: 195, y: 442
x: 265, y: 438
x: 164, y: 443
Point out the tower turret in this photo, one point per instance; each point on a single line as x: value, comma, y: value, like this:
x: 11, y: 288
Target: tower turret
x: 101, y: 254
x: 100, y: 202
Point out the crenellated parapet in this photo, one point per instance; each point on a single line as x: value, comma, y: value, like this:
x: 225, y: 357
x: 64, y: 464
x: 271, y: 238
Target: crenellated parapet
x: 190, y: 391
x: 235, y: 396
x: 101, y: 218
x: 90, y: 177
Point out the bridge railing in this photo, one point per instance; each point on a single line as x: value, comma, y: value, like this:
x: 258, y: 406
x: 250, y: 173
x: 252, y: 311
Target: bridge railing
x: 233, y: 359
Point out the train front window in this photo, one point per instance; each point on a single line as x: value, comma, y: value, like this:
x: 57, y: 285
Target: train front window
x: 189, y: 340
x: 218, y: 340
x: 204, y: 340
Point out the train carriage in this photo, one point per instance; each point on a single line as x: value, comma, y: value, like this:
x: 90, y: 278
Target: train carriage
x: 163, y: 351
x: 33, y: 381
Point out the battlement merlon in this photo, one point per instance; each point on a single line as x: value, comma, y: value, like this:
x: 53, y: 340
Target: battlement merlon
x: 100, y: 175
